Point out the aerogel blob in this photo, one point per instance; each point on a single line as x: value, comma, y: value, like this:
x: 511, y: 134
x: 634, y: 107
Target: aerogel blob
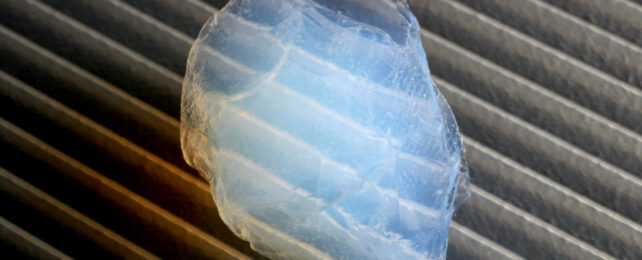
x: 321, y: 131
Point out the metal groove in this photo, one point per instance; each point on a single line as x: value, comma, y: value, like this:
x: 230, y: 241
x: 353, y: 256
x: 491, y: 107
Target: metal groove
x: 620, y: 17
x: 26, y: 244
x: 83, y: 91
x: 466, y: 244
x: 185, y: 15
x: 546, y: 153
x: 548, y: 67
x: 496, y: 219
x: 553, y: 142
x: 121, y: 147
x: 122, y: 67
x: 554, y: 203
x: 19, y: 190
x: 112, y: 18
x: 177, y: 230
x: 569, y: 34
x: 534, y: 103
x: 179, y: 186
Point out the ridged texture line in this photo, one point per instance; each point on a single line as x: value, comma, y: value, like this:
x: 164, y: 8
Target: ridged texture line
x: 547, y: 93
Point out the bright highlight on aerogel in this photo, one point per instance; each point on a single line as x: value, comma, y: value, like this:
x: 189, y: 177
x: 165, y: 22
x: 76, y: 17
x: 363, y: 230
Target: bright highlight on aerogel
x: 321, y: 131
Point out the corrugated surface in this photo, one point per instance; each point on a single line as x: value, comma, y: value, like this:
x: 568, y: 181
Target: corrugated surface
x: 548, y: 94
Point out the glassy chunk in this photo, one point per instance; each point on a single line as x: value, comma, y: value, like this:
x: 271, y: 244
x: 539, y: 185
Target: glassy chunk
x: 321, y: 131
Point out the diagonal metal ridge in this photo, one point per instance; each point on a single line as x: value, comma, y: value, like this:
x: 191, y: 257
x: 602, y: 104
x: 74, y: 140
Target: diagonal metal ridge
x: 547, y: 93
x: 22, y: 191
x: 25, y: 244
x: 466, y: 244
x: 534, y: 60
x: 620, y: 17
x: 563, y: 207
x: 584, y: 173
x: 540, y: 240
x: 129, y: 116
x: 534, y: 103
x: 151, y: 82
x: 565, y: 32
x: 178, y: 230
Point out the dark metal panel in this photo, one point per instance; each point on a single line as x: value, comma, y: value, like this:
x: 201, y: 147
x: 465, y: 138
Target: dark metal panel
x: 534, y: 60
x: 621, y: 17
x: 567, y: 33
x: 534, y: 104
x: 143, y: 173
x: 94, y: 52
x: 553, y: 203
x: 521, y: 232
x: 138, y: 215
x: 93, y: 97
x: 18, y: 190
x: 15, y: 242
x: 544, y: 108
x: 185, y: 15
x: 464, y: 243
x: 545, y: 153
x: 130, y: 27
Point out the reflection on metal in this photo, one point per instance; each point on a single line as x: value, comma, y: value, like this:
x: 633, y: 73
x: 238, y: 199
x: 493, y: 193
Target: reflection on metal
x: 551, y: 113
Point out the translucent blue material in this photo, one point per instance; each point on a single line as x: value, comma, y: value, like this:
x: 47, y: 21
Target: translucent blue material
x: 321, y: 131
